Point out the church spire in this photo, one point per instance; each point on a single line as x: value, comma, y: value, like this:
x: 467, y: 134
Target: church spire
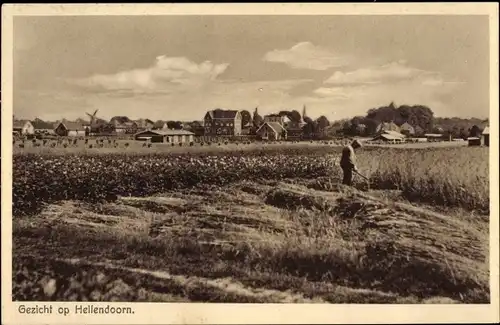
x: 304, y: 112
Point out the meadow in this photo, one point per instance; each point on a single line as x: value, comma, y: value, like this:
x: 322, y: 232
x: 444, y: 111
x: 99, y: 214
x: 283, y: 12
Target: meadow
x: 266, y: 224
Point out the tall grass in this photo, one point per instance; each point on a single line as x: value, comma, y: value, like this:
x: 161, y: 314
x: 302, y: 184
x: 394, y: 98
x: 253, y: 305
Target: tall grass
x: 444, y: 176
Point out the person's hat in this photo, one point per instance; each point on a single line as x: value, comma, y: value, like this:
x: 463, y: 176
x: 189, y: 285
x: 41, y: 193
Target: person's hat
x: 356, y: 144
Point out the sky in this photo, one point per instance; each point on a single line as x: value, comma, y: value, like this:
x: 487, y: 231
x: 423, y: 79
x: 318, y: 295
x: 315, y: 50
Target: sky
x: 178, y: 67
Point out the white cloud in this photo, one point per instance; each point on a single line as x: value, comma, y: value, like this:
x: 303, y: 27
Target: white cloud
x: 392, y: 72
x: 306, y: 55
x: 176, y: 70
x: 179, y: 89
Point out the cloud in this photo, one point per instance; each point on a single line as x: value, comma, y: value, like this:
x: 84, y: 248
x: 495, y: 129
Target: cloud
x: 392, y: 72
x: 306, y: 55
x: 165, y: 70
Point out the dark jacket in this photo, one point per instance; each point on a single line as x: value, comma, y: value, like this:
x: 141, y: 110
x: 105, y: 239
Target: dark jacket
x: 348, y: 160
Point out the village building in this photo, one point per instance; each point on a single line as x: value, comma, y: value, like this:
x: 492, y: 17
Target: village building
x: 195, y: 126
x: 126, y: 128
x: 70, y: 129
x: 407, y: 129
x: 23, y: 127
x: 389, y: 137
x: 474, y: 141
x: 486, y: 136
x: 220, y: 122
x: 165, y: 136
x: 387, y: 126
x: 272, y: 131
x: 42, y: 127
x: 433, y: 137
x: 144, y: 124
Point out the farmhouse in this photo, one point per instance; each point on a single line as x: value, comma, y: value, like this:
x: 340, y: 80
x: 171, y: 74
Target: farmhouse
x: 220, y: 122
x: 433, y: 137
x: 272, y: 131
x: 43, y: 127
x: 474, y: 141
x: 486, y: 136
x: 70, y: 129
x: 387, y: 126
x: 388, y: 138
x: 275, y: 118
x: 126, y: 127
x: 168, y: 136
x: 23, y: 127
x: 407, y: 129
x: 144, y: 124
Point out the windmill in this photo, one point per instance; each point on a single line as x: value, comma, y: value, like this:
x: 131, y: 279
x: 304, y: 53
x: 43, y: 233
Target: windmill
x: 92, y: 117
x: 93, y: 127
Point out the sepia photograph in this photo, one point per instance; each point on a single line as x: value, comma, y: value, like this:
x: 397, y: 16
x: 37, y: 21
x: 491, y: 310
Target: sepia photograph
x: 251, y: 158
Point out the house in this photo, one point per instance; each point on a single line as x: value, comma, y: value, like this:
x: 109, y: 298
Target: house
x: 393, y: 133
x: 388, y: 138
x: 294, y: 129
x: 144, y: 124
x: 43, y: 127
x: 275, y: 118
x: 247, y: 129
x: 166, y: 136
x: 433, y: 137
x: 486, y: 136
x: 196, y: 127
x: 407, y: 129
x: 387, y: 126
x: 129, y: 127
x: 474, y: 141
x: 220, y: 122
x: 272, y: 131
x: 71, y: 129
x: 23, y: 127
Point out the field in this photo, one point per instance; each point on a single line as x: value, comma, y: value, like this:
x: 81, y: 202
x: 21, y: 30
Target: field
x: 268, y: 224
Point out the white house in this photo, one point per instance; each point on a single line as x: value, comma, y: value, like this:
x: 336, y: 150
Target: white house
x: 23, y: 127
x: 70, y: 129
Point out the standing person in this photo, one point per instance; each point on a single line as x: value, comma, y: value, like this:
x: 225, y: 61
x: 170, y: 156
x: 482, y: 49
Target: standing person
x: 348, y: 161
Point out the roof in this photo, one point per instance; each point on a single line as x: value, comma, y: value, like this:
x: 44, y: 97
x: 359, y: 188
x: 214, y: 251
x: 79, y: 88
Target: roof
x: 406, y: 125
x: 387, y: 137
x: 73, y: 126
x: 473, y: 138
x: 486, y: 130
x: 167, y: 132
x: 19, y: 124
x: 275, y: 126
x: 388, y: 126
x: 433, y: 135
x: 222, y: 114
x: 393, y: 133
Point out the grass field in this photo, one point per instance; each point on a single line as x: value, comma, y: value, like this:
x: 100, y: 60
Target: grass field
x: 261, y: 225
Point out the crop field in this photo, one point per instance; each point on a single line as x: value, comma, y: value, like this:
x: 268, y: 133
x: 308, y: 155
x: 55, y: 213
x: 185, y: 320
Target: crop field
x: 268, y: 224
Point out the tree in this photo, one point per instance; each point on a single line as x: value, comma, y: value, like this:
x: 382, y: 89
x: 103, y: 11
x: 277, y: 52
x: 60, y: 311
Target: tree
x: 246, y: 117
x: 308, y: 120
x: 322, y: 122
x: 295, y: 116
x: 474, y: 131
x: 322, y: 125
x: 309, y: 129
x: 175, y: 125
